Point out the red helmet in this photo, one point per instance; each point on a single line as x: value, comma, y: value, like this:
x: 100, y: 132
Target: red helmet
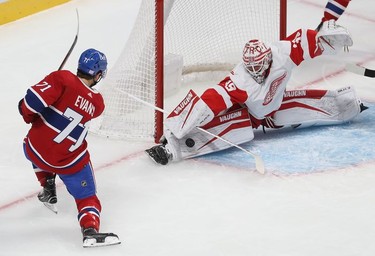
x: 257, y: 58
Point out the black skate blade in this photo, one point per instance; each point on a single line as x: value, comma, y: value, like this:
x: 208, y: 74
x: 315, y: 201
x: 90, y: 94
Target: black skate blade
x: 51, y: 207
x: 151, y: 154
x: 100, y: 239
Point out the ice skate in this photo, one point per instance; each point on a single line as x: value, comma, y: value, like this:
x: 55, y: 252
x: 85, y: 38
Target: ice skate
x: 159, y: 154
x: 91, y: 238
x: 48, y: 195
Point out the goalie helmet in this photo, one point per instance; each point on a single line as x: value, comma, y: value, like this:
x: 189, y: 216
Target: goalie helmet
x: 92, y: 61
x: 257, y: 58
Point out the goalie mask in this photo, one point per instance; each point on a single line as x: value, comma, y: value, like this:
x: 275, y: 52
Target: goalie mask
x: 257, y: 58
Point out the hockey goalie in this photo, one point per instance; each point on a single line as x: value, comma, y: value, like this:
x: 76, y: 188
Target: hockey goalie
x: 254, y: 94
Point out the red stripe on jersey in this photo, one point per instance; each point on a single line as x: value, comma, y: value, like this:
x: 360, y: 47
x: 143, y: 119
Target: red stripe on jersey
x: 214, y: 101
x: 298, y: 49
x: 314, y: 50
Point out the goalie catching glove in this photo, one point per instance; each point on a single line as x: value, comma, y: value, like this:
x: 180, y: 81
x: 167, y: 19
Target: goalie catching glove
x: 331, y: 37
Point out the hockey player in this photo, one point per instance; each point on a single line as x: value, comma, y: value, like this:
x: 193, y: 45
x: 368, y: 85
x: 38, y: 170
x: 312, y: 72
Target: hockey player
x: 333, y: 10
x: 59, y: 109
x: 254, y: 94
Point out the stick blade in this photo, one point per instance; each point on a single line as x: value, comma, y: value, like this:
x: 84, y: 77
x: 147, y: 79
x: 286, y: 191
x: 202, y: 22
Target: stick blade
x: 259, y: 164
x: 354, y: 68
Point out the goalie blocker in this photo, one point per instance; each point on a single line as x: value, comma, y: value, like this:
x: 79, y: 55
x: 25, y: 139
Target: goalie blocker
x: 300, y: 108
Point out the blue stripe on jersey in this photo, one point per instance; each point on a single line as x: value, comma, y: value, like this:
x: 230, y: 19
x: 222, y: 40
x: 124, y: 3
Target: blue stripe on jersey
x: 334, y: 8
x: 60, y: 122
x: 33, y: 101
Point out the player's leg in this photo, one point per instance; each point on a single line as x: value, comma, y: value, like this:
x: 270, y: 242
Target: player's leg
x: 47, y: 182
x: 304, y: 108
x: 191, y: 112
x: 333, y: 10
x: 234, y: 126
x: 81, y: 185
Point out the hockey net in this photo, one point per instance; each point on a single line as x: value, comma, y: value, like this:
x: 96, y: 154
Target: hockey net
x: 194, y: 36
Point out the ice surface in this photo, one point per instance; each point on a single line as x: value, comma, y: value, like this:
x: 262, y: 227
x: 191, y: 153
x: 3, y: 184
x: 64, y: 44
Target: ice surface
x: 317, y: 197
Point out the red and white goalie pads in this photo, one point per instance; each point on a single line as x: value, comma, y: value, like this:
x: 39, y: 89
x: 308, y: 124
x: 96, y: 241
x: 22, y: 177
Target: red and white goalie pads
x: 304, y: 108
x: 234, y: 126
x: 190, y: 113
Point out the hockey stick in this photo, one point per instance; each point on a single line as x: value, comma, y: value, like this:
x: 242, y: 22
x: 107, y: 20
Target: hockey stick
x: 359, y: 70
x: 73, y: 45
x: 259, y: 165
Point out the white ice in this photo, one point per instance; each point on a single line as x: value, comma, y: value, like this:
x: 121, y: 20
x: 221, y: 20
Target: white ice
x: 195, y: 207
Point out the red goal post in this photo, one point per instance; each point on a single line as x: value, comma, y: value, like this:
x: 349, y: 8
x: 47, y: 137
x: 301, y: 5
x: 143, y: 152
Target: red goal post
x: 172, y: 39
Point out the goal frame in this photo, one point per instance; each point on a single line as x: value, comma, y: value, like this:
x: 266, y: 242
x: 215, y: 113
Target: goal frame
x: 159, y: 59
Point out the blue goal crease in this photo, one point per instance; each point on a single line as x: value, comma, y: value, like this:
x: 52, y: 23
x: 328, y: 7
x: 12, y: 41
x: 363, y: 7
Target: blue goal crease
x: 308, y: 150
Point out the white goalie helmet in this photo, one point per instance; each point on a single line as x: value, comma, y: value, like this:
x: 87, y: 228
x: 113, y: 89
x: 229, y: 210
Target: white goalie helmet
x: 257, y: 58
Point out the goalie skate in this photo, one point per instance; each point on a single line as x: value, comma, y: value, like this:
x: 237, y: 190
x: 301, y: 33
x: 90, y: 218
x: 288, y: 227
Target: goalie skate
x: 159, y: 154
x: 93, y: 239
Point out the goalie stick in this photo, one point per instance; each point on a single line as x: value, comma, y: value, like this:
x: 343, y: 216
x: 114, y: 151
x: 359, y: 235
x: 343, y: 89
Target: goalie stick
x: 259, y: 164
x: 359, y: 70
x: 72, y: 46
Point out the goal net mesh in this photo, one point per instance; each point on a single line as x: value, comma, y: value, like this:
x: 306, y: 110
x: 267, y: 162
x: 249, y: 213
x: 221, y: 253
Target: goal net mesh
x: 209, y: 35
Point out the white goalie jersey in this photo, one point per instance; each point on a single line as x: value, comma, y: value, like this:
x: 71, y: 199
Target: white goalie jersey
x: 268, y: 104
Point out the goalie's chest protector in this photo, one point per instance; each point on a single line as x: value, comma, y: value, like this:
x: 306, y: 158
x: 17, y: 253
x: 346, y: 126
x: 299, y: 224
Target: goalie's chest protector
x: 263, y: 99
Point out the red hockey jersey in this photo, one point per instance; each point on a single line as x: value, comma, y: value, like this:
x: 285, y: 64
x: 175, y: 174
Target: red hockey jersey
x: 60, y: 108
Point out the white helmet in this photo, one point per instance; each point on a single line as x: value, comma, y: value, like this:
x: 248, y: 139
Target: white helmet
x: 257, y: 58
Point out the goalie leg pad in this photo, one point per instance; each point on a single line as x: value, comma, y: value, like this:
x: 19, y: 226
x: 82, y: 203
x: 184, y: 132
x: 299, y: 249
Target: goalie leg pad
x: 304, y: 108
x: 190, y: 113
x: 234, y: 126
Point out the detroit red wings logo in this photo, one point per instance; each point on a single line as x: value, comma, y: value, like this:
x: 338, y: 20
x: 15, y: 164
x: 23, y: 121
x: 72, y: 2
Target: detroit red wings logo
x: 273, y: 88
